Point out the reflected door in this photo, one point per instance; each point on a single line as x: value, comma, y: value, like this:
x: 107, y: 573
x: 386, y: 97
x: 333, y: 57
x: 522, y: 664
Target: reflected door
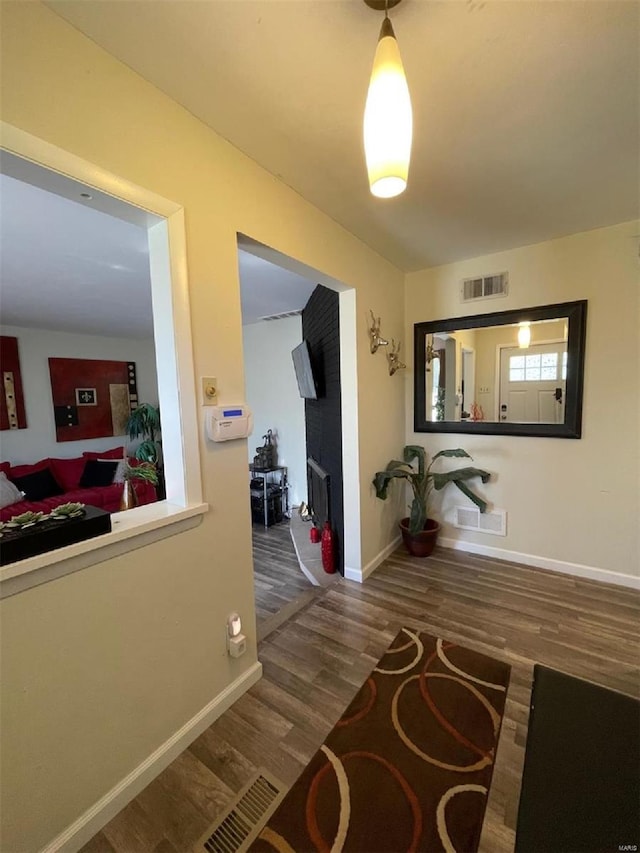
x: 533, y: 383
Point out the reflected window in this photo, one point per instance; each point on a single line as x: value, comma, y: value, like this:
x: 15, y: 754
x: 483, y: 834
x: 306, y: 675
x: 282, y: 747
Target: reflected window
x: 549, y: 365
x: 537, y: 367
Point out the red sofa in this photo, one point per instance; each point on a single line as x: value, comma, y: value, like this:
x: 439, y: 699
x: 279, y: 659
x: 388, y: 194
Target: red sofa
x: 67, y: 474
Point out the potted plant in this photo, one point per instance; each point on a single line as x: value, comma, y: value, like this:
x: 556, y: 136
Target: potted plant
x: 144, y: 422
x: 418, y: 531
x: 146, y: 471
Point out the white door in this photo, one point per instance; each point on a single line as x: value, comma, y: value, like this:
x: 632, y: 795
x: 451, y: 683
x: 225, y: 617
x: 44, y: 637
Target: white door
x: 533, y: 383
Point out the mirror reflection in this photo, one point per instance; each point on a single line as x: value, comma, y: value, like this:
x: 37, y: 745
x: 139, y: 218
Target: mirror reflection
x: 517, y: 372
x: 513, y: 373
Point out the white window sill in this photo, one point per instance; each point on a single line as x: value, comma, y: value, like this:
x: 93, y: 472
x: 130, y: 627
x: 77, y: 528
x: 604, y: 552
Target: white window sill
x: 132, y: 529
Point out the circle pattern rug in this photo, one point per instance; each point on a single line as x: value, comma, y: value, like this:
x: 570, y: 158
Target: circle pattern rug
x: 408, y: 765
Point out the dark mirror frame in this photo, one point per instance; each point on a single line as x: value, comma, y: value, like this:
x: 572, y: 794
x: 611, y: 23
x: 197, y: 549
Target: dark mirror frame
x: 575, y: 312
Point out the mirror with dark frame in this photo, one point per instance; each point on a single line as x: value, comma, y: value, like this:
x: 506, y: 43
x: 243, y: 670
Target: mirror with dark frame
x: 508, y: 373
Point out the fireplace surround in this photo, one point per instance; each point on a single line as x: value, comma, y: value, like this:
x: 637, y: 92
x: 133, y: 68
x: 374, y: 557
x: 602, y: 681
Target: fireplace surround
x: 318, y: 482
x: 323, y: 417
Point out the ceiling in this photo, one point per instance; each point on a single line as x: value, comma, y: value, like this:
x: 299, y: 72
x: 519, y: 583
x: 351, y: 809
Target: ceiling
x: 267, y: 289
x: 526, y: 113
x: 69, y: 267
x: 81, y: 265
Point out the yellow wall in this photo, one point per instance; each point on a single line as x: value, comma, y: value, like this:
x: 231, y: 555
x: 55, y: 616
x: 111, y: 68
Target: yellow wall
x: 102, y: 666
x: 575, y: 501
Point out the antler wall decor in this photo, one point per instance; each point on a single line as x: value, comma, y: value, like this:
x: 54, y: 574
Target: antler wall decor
x: 375, y: 338
x: 393, y: 358
x: 430, y: 354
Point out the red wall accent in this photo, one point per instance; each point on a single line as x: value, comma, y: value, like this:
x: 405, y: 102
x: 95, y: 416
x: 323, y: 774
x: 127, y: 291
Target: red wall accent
x: 10, y: 360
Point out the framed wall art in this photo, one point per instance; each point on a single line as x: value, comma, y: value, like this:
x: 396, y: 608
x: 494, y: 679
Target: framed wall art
x: 92, y: 398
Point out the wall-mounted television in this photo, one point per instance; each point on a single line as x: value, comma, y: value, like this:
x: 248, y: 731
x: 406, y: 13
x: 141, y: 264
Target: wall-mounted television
x: 304, y: 372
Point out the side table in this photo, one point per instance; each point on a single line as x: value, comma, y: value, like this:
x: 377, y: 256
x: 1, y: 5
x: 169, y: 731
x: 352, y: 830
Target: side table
x: 273, y: 491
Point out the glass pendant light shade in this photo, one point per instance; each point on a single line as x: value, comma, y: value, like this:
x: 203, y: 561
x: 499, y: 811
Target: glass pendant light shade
x: 388, y: 120
x: 524, y: 335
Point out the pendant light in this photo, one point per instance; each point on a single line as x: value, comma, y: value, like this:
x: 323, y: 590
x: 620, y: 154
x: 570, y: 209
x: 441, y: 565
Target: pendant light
x: 388, y: 121
x: 524, y: 335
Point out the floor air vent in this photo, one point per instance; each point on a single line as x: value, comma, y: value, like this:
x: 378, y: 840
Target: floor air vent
x: 485, y: 287
x: 245, y: 817
x: 470, y: 518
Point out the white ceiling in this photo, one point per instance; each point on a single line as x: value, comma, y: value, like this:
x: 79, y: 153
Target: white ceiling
x: 525, y: 112
x: 267, y: 289
x: 67, y: 265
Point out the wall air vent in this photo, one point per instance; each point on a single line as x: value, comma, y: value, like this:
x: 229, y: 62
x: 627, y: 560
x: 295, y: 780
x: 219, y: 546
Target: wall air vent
x: 485, y: 287
x: 470, y: 518
x: 281, y: 316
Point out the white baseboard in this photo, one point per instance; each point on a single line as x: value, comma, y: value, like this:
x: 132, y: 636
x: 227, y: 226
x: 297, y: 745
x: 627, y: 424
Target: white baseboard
x: 107, y: 807
x: 578, y: 570
x: 359, y: 575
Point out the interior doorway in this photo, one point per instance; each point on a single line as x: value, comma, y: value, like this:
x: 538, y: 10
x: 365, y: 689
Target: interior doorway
x: 283, y: 396
x: 468, y: 382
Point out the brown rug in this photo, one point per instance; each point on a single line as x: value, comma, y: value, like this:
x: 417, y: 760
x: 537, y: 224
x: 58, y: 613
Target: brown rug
x: 408, y: 766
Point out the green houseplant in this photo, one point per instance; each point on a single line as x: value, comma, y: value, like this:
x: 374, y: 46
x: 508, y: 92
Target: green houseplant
x: 418, y: 530
x: 145, y: 471
x: 144, y: 422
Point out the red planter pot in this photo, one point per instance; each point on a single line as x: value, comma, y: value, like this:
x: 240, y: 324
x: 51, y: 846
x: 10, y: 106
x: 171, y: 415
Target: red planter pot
x: 420, y: 544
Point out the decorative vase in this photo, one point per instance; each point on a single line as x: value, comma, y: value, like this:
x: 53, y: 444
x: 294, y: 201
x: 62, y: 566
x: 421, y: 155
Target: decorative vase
x: 129, y: 498
x: 314, y: 535
x: 420, y: 544
x: 326, y: 549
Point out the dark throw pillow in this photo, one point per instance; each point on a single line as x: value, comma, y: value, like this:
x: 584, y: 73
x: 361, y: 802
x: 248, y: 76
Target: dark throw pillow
x: 38, y: 486
x: 97, y: 472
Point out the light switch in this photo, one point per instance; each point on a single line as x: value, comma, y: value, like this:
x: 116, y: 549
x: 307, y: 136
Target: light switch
x: 209, y: 390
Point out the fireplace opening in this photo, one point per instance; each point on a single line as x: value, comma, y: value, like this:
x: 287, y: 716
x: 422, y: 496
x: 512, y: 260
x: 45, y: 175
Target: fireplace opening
x: 318, y: 492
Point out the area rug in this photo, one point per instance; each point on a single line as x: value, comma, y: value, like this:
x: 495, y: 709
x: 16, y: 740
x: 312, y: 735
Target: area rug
x: 581, y: 781
x: 409, y: 764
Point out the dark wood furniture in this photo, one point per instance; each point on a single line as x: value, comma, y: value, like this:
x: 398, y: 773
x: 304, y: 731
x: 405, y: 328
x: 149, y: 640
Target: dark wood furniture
x: 51, y: 534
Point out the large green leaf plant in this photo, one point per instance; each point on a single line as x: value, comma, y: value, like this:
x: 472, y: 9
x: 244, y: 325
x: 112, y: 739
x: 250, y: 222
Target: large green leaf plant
x: 144, y: 421
x: 423, y: 480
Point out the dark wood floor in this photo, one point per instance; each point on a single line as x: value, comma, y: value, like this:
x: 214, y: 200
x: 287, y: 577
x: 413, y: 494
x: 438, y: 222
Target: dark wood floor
x: 315, y: 662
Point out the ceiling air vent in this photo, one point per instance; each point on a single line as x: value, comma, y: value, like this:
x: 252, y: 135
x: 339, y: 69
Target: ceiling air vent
x: 281, y: 316
x: 485, y: 287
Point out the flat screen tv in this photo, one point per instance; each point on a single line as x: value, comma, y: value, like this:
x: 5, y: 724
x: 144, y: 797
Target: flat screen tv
x: 304, y: 372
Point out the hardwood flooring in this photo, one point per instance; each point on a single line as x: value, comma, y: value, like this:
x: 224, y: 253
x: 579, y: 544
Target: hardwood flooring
x: 277, y: 577
x: 315, y: 662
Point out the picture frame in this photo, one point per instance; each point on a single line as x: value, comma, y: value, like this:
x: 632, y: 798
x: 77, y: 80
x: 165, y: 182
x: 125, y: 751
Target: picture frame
x: 86, y: 397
